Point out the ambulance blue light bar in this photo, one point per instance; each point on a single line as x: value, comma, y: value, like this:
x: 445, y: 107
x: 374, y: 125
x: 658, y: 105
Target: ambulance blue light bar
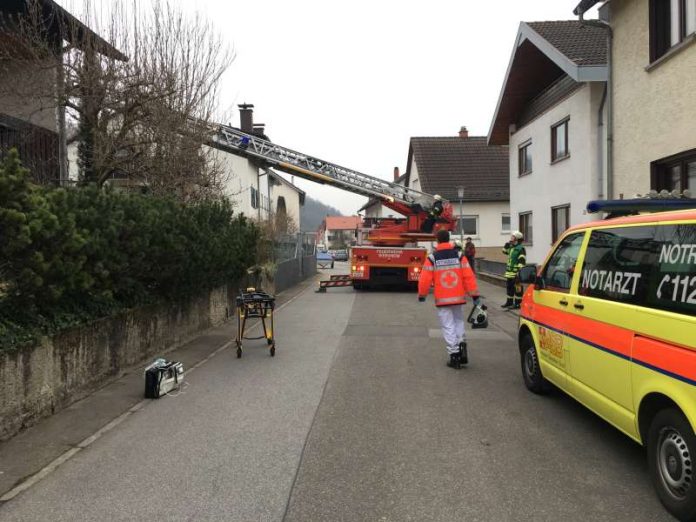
x: 618, y: 207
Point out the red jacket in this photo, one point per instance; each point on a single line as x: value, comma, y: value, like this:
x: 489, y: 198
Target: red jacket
x: 450, y: 273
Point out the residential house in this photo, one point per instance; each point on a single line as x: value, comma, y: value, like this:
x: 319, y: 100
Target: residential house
x: 443, y: 165
x: 339, y: 231
x: 653, y: 94
x: 552, y: 114
x: 29, y: 118
x: 256, y: 190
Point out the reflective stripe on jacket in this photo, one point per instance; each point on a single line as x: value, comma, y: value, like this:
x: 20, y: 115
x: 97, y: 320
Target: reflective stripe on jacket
x: 449, y: 272
x: 517, y: 258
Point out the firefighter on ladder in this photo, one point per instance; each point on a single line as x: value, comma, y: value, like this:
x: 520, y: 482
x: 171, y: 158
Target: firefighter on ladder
x: 449, y: 272
x: 516, y: 260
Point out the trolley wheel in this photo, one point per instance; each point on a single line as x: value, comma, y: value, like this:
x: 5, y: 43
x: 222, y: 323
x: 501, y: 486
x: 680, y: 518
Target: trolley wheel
x: 269, y: 341
x: 239, y: 352
x: 273, y: 350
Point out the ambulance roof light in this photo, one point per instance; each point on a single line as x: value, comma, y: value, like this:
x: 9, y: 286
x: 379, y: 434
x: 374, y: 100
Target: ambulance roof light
x: 653, y: 201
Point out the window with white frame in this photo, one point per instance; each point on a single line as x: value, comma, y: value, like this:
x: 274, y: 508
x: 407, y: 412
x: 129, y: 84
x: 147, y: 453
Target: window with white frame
x: 254, y: 197
x: 559, y: 140
x: 505, y: 223
x: 526, y: 226
x: 524, y: 157
x: 560, y: 221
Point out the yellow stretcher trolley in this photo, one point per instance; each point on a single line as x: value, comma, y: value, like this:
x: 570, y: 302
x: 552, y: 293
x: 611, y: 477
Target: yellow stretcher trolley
x: 252, y: 303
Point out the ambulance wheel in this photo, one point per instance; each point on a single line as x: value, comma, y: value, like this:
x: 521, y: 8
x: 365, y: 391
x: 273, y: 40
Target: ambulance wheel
x: 671, y: 454
x: 531, y: 370
x: 273, y: 350
x: 239, y: 353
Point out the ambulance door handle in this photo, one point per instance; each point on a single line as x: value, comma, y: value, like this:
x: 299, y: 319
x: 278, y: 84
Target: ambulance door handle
x: 579, y: 306
x: 563, y: 302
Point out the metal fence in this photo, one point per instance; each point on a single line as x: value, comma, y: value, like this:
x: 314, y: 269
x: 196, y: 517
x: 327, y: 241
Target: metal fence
x: 295, y: 259
x: 294, y: 246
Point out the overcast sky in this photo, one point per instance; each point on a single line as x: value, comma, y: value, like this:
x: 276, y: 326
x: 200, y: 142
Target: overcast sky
x: 350, y: 82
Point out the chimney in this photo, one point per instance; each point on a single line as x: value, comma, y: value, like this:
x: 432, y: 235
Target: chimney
x: 259, y: 129
x: 463, y: 133
x: 246, y: 117
x: 396, y: 173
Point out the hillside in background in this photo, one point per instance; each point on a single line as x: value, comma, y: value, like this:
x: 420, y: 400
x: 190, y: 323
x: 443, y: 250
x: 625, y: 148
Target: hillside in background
x: 313, y: 212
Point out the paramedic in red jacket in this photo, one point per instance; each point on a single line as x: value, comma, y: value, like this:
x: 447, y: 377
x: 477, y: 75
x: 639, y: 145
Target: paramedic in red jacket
x: 448, y: 270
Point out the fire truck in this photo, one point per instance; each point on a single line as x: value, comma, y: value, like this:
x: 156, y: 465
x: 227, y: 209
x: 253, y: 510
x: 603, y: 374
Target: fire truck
x: 393, y: 256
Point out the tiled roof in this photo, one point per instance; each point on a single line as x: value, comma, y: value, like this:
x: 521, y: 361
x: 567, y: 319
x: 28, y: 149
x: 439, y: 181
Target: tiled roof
x: 582, y: 44
x: 342, y: 222
x: 450, y: 162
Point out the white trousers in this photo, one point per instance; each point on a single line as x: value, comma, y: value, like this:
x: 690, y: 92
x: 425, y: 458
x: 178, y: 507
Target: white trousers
x: 452, y: 324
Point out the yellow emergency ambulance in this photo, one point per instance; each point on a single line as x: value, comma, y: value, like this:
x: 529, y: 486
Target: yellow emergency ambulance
x: 610, y: 319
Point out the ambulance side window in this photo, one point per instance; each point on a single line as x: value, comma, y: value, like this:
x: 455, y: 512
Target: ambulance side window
x: 558, y: 272
x: 618, y: 264
x: 673, y: 285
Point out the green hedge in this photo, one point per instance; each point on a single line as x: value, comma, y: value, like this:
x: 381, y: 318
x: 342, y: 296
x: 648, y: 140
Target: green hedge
x: 71, y: 255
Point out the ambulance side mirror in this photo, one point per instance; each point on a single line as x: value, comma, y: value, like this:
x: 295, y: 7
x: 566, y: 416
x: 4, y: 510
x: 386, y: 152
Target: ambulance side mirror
x: 528, y: 276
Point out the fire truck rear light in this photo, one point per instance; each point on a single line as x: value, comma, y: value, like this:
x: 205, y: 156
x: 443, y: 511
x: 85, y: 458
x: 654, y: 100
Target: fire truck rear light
x: 354, y: 268
x: 416, y: 269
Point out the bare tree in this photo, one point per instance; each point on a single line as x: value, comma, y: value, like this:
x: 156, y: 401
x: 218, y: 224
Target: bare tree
x: 143, y: 103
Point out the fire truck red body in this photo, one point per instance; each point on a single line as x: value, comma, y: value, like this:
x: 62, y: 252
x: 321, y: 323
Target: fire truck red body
x: 388, y: 259
x: 373, y: 265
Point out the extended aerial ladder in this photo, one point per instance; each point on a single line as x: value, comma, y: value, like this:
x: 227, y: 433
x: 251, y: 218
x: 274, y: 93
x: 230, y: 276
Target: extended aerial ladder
x: 416, y: 206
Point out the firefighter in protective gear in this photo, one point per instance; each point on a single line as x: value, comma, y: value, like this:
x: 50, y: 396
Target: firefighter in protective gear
x: 434, y: 214
x: 449, y: 272
x: 516, y: 260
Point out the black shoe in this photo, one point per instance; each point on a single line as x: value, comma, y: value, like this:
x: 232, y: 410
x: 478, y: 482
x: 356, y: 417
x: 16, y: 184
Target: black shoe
x: 463, y: 355
x: 516, y: 306
x: 508, y: 304
x: 455, y: 361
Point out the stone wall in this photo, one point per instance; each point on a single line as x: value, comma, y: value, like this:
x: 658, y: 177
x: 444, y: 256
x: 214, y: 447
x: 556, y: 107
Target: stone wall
x: 40, y: 380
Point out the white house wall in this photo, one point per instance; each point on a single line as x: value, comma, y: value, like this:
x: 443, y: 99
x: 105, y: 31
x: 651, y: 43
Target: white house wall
x: 241, y: 176
x: 414, y: 178
x: 292, y: 200
x: 490, y: 219
x: 573, y: 181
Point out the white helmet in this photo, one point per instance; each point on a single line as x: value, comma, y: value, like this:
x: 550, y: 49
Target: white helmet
x: 517, y: 235
x: 437, y: 197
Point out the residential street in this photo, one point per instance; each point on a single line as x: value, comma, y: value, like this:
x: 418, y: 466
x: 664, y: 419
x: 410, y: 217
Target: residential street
x: 356, y: 418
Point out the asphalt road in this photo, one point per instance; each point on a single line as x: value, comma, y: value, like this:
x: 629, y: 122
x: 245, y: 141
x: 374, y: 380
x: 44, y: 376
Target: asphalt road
x: 356, y: 418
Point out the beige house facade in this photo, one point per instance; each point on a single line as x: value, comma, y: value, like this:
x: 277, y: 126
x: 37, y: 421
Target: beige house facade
x: 653, y: 68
